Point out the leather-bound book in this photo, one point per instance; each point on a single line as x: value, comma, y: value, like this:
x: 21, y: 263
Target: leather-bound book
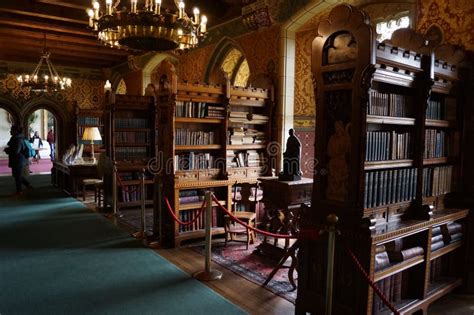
x: 406, y: 254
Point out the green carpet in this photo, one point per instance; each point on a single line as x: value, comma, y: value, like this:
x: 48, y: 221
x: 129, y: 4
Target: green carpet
x: 58, y: 257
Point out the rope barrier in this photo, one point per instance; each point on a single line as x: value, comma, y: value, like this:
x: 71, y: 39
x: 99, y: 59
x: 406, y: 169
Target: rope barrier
x: 178, y: 220
x: 306, y: 234
x: 372, y: 283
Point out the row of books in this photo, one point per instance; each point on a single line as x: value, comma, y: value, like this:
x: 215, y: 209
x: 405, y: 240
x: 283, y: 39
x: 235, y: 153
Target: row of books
x: 245, y: 136
x: 195, y: 137
x: 246, y: 117
x: 193, y: 161
x: 388, y: 145
x: 391, y: 286
x: 389, y: 186
x: 445, y: 235
x: 441, y: 111
x: 124, y: 123
x: 131, y: 193
x: 436, y: 269
x: 435, y: 144
x: 437, y: 180
x: 90, y: 121
x: 191, y: 196
x: 388, y: 104
x: 249, y: 158
x: 131, y: 152
x: 132, y: 137
x: 198, y: 110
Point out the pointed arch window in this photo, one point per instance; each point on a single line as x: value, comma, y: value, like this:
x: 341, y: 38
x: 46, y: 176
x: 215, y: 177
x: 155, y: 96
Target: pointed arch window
x: 236, y: 66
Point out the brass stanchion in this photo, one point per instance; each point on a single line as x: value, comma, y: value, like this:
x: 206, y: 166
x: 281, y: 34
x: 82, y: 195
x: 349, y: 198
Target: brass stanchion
x: 332, y: 221
x: 207, y: 274
x: 115, y: 212
x: 142, y: 233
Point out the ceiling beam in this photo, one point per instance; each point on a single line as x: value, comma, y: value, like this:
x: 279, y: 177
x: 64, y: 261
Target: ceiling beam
x: 52, y: 45
x: 65, y: 4
x: 45, y: 26
x: 45, y: 16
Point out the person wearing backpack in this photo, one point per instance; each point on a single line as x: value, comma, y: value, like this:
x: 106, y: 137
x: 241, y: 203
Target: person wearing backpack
x: 18, y: 154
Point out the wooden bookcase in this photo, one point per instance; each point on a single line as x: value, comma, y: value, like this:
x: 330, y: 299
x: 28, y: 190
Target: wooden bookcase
x: 376, y: 106
x: 132, y: 146
x: 198, y: 153
x: 89, y: 118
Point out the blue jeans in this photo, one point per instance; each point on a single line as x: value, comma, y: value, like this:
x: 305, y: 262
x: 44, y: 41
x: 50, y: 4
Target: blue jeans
x: 17, y: 172
x: 51, y: 145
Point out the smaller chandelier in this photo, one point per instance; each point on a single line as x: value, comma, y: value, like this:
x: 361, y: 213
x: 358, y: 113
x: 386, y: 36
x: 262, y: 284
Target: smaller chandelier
x: 153, y: 28
x: 49, y: 81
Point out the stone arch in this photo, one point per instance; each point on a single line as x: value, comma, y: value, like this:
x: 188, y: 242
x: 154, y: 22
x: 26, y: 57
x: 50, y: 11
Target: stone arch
x: 13, y: 107
x: 150, y: 66
x: 64, y: 119
x: 213, y: 73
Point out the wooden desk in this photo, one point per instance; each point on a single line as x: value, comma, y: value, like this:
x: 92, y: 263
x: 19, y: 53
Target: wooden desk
x: 69, y: 177
x: 282, y: 201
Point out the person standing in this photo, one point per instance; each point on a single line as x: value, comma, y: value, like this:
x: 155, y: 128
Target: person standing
x: 40, y: 145
x: 51, y: 138
x: 16, y: 158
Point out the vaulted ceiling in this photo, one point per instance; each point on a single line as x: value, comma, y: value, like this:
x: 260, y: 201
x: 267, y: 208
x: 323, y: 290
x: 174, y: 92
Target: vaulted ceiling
x: 25, y: 23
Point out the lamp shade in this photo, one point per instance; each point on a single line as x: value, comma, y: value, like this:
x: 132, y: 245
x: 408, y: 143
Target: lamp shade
x: 91, y: 134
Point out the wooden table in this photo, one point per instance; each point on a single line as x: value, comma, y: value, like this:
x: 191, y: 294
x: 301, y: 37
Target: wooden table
x: 283, y: 200
x: 69, y: 177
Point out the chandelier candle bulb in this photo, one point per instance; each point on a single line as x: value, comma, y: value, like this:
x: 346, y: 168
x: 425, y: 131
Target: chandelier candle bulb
x: 134, y: 6
x: 96, y: 7
x: 181, y: 9
x: 203, y: 24
x: 108, y: 4
x: 196, y: 15
x: 90, y: 13
x: 157, y: 6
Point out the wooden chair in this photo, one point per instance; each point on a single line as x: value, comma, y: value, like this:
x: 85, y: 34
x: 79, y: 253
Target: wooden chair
x: 97, y: 183
x: 235, y: 231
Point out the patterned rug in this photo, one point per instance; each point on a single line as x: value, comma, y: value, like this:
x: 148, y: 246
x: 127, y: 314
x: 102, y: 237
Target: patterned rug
x: 252, y: 265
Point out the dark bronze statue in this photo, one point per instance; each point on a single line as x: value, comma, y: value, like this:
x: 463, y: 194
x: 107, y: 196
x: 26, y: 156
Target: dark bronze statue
x: 291, y: 159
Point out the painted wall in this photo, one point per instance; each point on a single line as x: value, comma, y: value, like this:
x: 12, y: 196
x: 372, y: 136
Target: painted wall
x: 5, y: 124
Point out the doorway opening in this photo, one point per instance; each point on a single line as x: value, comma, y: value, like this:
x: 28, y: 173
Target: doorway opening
x: 41, y: 132
x: 6, y: 122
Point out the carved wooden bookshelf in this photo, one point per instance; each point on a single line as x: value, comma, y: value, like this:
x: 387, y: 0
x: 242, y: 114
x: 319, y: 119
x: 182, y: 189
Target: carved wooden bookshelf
x: 130, y: 127
x: 374, y: 113
x: 203, y: 125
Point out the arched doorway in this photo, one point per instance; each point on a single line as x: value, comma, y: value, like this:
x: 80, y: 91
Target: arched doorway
x: 41, y: 131
x: 7, y: 119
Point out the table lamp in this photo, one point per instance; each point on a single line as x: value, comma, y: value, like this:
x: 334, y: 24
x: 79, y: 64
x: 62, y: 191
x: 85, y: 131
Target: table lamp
x: 91, y: 134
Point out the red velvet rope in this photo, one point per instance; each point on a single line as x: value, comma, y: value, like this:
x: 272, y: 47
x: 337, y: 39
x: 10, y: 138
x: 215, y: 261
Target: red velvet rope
x: 178, y: 220
x: 372, y: 283
x: 285, y: 236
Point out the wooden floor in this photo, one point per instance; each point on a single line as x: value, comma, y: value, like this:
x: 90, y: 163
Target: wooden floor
x: 251, y: 297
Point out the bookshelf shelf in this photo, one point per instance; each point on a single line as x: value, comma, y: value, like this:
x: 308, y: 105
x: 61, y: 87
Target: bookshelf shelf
x: 444, y: 250
x: 198, y: 147
x: 196, y: 205
x: 256, y: 146
x: 387, y: 120
x: 199, y: 120
x: 434, y: 161
x: 439, y: 123
x: 376, y: 165
x: 396, y: 268
x: 132, y: 129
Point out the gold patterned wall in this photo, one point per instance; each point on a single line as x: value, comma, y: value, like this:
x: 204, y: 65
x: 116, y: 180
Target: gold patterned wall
x: 455, y: 18
x: 259, y: 47
x: 89, y: 94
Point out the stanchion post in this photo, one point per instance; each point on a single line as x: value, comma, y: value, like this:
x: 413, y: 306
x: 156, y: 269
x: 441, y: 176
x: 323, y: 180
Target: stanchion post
x: 142, y: 232
x: 208, y: 274
x: 114, y: 189
x: 332, y: 221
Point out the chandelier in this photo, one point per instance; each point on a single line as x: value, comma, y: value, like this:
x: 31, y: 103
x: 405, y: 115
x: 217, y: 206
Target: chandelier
x: 154, y: 27
x: 49, y: 80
